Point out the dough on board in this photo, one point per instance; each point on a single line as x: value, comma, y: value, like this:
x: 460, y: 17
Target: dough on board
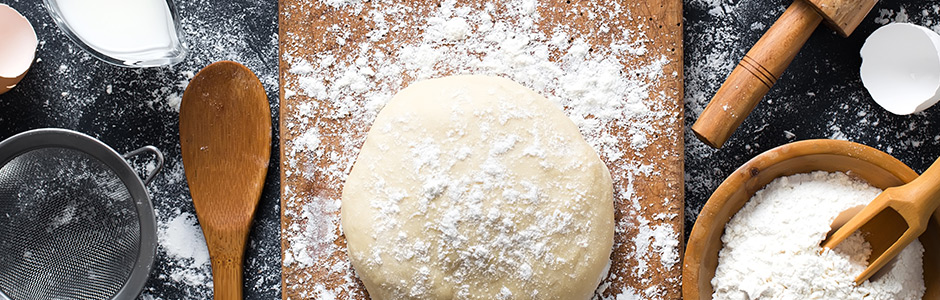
x: 475, y: 187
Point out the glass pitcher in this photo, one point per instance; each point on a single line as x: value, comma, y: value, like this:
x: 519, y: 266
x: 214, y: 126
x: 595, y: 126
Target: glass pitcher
x: 127, y: 33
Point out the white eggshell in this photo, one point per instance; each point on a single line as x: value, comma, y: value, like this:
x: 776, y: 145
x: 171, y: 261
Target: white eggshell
x: 17, y: 47
x: 901, y: 67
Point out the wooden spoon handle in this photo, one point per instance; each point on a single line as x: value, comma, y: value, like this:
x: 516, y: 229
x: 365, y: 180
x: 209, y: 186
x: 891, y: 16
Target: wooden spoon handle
x: 756, y: 73
x: 227, y: 252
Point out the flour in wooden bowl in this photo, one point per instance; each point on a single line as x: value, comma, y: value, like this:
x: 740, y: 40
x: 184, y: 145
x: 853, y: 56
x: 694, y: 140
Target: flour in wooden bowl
x: 771, y: 246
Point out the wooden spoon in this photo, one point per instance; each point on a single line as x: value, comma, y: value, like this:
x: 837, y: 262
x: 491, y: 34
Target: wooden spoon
x: 225, y: 136
x: 893, y: 219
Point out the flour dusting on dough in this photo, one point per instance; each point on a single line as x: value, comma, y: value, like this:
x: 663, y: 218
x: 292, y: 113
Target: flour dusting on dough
x: 349, y: 84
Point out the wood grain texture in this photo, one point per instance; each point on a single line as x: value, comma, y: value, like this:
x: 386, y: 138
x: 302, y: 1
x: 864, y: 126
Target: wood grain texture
x: 893, y: 220
x: 305, y: 31
x: 225, y: 137
x: 843, y: 15
x: 756, y: 74
x: 866, y: 163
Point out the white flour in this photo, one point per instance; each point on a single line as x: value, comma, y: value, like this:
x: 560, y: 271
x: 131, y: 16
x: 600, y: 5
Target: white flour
x: 463, y: 206
x: 559, y: 62
x: 771, y: 246
x: 183, y: 242
x: 71, y: 89
x: 719, y: 32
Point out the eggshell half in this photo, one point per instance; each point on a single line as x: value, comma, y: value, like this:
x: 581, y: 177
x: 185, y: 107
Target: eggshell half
x: 901, y: 67
x: 17, y: 47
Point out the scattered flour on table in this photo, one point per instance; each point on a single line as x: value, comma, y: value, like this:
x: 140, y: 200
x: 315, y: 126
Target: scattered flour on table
x: 347, y: 85
x: 717, y: 35
x: 713, y: 46
x: 131, y: 107
x: 771, y: 246
x: 926, y: 16
x: 182, y: 238
x: 183, y: 241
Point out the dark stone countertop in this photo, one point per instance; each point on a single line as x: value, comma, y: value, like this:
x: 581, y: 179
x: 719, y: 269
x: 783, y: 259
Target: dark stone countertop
x: 820, y: 96
x: 129, y: 108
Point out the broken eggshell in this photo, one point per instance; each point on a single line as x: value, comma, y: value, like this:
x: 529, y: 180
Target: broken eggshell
x: 17, y: 47
x: 901, y: 67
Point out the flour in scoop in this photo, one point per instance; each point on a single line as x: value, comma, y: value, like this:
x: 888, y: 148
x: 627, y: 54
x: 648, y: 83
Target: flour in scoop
x: 771, y: 246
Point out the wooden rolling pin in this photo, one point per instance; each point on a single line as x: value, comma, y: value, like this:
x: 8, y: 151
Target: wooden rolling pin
x: 765, y: 62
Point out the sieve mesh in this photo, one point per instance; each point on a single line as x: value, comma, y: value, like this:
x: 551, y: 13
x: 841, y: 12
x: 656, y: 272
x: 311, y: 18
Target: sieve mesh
x: 69, y: 227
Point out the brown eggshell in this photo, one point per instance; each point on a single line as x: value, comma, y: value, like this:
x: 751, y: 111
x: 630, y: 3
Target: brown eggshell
x: 17, y: 47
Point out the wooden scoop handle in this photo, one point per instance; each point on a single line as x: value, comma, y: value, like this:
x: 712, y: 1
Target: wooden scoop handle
x: 893, y: 220
x: 756, y: 73
x: 923, y: 198
x: 914, y: 203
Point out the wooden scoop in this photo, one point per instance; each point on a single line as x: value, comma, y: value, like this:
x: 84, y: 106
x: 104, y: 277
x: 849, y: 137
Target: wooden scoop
x: 893, y: 219
x: 225, y: 136
x: 765, y: 62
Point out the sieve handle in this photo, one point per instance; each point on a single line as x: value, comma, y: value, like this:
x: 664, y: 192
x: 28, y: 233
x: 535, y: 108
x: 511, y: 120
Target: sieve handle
x: 157, y: 155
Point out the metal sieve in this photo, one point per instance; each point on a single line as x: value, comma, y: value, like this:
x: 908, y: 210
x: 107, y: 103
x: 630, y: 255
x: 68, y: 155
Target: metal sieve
x: 75, y: 219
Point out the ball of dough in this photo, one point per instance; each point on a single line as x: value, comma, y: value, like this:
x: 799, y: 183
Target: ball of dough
x: 475, y: 187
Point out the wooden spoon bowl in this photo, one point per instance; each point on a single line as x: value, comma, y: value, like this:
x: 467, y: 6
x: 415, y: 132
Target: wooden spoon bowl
x: 225, y: 136
x: 877, y: 168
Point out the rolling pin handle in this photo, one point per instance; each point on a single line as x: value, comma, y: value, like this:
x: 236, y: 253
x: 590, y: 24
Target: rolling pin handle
x: 756, y: 74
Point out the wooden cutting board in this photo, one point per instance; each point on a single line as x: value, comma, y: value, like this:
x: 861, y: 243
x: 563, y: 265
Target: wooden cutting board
x: 309, y: 28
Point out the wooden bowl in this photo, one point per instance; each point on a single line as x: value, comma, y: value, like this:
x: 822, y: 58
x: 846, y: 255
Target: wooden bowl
x: 860, y: 161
